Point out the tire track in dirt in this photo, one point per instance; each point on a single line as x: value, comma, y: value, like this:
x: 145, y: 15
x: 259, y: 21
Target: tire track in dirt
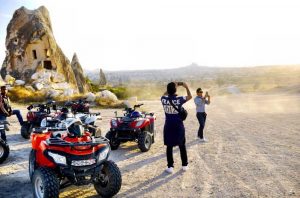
x: 218, y: 163
x: 247, y: 142
x: 198, y: 165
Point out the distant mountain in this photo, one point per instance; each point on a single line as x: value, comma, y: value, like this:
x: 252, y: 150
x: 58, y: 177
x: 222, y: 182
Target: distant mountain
x: 191, y: 72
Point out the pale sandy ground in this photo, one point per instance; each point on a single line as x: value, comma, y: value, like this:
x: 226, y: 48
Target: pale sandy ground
x: 253, y: 151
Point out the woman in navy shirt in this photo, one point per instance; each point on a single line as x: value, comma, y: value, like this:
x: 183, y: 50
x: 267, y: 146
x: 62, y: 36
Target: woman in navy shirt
x: 174, y: 132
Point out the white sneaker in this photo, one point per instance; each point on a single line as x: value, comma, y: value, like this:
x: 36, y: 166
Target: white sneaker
x: 185, y: 168
x: 170, y: 170
x: 203, y: 140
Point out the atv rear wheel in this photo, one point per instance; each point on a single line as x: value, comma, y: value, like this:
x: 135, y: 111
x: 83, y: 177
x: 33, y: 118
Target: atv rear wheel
x: 113, y: 142
x: 45, y: 183
x: 26, y: 130
x: 109, y: 180
x: 144, y: 141
x: 4, y: 151
x: 32, y: 164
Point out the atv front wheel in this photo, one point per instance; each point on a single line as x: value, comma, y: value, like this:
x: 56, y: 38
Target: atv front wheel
x: 32, y: 164
x: 144, y: 141
x: 113, y: 142
x: 45, y: 183
x: 26, y: 130
x: 109, y: 180
x: 4, y: 151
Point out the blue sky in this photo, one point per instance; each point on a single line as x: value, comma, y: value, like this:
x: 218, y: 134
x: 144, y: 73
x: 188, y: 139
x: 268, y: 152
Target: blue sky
x: 134, y: 34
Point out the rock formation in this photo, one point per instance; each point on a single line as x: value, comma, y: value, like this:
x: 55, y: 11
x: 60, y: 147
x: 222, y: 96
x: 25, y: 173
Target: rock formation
x: 79, y: 76
x: 31, y: 45
x: 102, y: 81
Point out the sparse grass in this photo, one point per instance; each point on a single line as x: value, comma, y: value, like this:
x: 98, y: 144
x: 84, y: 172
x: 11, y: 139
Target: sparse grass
x: 22, y: 95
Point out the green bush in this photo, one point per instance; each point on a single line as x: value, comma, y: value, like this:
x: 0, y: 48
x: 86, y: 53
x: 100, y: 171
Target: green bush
x: 120, y: 92
x: 94, y: 88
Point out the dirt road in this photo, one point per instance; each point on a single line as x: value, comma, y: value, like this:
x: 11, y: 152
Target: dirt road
x: 253, y: 151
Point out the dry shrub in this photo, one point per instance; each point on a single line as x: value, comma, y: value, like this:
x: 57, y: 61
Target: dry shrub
x: 105, y: 102
x: 22, y: 95
x: 63, y: 98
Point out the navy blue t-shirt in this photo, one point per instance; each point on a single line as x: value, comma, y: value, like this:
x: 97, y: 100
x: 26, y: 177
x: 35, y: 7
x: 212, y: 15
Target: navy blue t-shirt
x: 170, y: 112
x: 174, y: 132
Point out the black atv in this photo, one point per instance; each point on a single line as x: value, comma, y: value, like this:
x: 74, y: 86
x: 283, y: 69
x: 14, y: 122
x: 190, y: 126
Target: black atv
x: 4, y: 148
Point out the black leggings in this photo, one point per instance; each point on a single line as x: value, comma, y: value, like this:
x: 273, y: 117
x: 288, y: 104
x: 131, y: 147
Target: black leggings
x: 183, y: 155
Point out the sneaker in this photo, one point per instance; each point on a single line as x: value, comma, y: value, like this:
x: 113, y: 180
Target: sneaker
x: 185, y: 168
x: 169, y: 170
x: 203, y: 140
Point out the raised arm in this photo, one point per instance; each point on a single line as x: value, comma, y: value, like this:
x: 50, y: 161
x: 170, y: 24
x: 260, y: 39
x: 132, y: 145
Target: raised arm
x: 189, y: 95
x: 208, y: 98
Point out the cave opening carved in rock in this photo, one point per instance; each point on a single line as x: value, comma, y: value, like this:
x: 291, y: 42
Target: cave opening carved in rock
x: 48, y: 65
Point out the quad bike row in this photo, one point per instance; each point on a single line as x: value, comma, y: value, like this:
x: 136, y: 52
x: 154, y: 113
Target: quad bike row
x: 79, y: 109
x: 132, y: 126
x: 68, y: 149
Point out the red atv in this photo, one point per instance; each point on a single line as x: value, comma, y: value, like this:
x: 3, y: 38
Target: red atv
x: 79, y: 106
x: 36, y: 113
x: 67, y: 155
x: 133, y: 126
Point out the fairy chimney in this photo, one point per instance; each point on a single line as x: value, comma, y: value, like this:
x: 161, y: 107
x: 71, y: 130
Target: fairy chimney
x: 30, y: 44
x: 102, y: 81
x: 79, y: 76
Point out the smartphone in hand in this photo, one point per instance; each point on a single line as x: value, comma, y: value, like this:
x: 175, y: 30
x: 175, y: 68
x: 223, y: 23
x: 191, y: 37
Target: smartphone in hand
x: 180, y: 83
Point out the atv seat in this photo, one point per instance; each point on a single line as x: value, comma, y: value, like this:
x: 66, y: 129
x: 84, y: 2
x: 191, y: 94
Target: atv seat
x: 40, y: 130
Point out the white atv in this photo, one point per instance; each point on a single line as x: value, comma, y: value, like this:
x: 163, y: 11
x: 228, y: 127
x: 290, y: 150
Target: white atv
x: 88, y: 121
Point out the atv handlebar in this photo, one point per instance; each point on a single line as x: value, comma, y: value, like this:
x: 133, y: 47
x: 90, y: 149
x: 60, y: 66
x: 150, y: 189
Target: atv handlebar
x: 137, y: 106
x: 61, y: 142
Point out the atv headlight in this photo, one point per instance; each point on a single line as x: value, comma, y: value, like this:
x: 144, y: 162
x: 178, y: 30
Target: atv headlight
x: 114, y: 123
x: 59, y: 159
x: 103, y: 154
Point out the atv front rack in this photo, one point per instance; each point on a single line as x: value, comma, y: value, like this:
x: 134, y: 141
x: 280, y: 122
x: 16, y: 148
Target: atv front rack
x: 61, y: 142
x: 47, y: 129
